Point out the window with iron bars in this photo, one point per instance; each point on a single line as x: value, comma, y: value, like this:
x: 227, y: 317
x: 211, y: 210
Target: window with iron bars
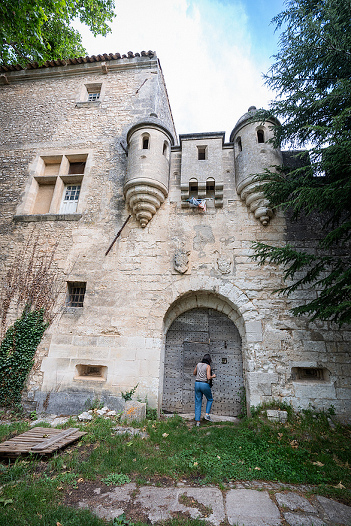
x: 76, y: 293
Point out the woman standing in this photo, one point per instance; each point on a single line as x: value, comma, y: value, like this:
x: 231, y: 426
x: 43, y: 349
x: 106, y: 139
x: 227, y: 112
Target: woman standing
x: 203, y: 375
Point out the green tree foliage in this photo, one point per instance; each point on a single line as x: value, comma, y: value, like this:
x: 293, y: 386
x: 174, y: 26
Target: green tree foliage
x: 312, y: 78
x: 17, y: 352
x: 39, y: 30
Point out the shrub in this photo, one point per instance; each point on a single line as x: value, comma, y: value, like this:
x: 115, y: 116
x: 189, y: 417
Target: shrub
x: 17, y: 352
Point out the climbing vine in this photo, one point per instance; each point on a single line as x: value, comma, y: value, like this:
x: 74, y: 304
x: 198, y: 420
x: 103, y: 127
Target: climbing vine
x: 17, y: 352
x: 29, y: 291
x: 31, y: 282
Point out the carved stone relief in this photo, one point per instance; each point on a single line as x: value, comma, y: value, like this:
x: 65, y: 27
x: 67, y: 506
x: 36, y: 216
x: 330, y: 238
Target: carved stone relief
x: 224, y: 265
x: 181, y: 261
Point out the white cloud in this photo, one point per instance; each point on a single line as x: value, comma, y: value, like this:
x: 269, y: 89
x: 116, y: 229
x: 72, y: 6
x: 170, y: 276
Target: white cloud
x: 205, y: 51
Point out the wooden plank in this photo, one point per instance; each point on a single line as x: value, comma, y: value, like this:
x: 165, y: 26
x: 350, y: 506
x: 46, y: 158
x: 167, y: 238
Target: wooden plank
x: 32, y: 441
x: 49, y: 441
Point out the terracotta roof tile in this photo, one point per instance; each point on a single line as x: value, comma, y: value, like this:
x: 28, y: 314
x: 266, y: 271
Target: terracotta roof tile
x: 76, y: 60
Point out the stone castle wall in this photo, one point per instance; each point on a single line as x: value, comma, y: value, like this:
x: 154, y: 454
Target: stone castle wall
x: 135, y: 292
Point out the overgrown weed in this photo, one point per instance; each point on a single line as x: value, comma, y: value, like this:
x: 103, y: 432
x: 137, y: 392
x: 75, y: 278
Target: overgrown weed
x: 310, y: 448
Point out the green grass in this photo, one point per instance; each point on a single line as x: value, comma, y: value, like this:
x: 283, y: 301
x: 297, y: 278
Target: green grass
x: 308, y: 449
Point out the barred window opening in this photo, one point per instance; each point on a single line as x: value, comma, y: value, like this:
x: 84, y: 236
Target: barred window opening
x: 76, y: 293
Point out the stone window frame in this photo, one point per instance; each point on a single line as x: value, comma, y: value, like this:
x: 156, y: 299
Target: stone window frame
x: 193, y: 188
x: 210, y: 188
x: 53, y: 169
x: 202, y: 152
x: 91, y: 372
x: 76, y: 291
x: 90, y: 88
x: 238, y: 145
x: 260, y: 135
x: 165, y: 149
x: 308, y: 374
x: 145, y: 141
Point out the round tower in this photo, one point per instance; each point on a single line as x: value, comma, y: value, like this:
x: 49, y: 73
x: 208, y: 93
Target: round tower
x: 253, y: 154
x: 146, y: 183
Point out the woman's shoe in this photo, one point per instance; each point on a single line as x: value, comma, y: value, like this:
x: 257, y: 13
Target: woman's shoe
x: 207, y: 417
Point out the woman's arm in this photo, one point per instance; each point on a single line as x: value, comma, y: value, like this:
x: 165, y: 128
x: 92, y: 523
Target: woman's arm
x: 195, y: 371
x: 208, y: 373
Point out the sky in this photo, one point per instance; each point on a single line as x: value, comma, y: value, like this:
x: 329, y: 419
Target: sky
x: 213, y: 54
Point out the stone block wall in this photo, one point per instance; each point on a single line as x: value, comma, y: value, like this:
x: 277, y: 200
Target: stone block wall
x: 135, y: 292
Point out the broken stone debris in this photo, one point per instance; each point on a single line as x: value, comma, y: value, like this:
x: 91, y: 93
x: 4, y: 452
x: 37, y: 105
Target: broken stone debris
x: 85, y: 416
x: 275, y: 415
x: 120, y: 430
x: 133, y: 411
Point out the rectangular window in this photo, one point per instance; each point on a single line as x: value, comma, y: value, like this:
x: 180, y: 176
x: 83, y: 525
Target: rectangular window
x: 93, y: 92
x: 76, y: 293
x: 91, y: 372
x: 43, y: 198
x: 76, y: 168
x: 93, y: 96
x: 193, y: 189
x: 57, y: 185
x: 70, y: 199
x: 210, y: 188
x: 202, y: 153
x: 312, y: 374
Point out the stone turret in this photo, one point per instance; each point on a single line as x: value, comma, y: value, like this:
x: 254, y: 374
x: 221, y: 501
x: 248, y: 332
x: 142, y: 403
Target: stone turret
x: 253, y: 154
x: 146, y: 183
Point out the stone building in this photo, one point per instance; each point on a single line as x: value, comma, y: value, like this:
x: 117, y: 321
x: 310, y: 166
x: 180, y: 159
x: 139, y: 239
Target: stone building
x: 84, y: 144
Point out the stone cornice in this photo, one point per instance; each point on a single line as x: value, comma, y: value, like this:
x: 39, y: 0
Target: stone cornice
x: 85, y: 68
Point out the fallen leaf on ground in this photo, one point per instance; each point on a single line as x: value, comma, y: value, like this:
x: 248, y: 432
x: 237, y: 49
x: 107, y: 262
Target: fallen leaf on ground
x: 318, y: 463
x: 165, y: 435
x: 339, y: 486
x: 6, y: 501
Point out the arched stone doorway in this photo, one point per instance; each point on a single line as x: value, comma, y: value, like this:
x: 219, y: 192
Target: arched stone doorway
x: 190, y: 336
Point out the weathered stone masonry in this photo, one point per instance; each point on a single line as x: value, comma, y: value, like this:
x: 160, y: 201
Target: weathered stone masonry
x: 178, y: 281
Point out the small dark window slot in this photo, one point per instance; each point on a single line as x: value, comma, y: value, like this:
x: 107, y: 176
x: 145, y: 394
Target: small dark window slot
x: 210, y: 189
x: 76, y: 168
x: 193, y: 189
x: 94, y: 372
x: 310, y: 373
x: 260, y: 136
x: 202, y: 153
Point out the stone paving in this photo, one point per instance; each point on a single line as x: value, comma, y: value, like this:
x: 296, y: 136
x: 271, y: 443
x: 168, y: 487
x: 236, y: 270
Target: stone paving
x: 237, y: 506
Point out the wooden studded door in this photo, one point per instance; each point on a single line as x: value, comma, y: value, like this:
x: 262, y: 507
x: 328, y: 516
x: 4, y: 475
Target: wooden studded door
x: 193, y: 334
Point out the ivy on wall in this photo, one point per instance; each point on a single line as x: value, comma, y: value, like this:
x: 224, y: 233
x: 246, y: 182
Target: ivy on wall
x: 17, y: 352
x: 29, y: 291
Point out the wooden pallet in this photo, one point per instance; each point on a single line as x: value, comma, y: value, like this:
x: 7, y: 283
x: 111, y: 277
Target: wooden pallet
x: 39, y: 440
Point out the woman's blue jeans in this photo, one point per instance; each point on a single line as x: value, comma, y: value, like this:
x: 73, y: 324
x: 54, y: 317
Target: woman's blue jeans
x: 202, y: 388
